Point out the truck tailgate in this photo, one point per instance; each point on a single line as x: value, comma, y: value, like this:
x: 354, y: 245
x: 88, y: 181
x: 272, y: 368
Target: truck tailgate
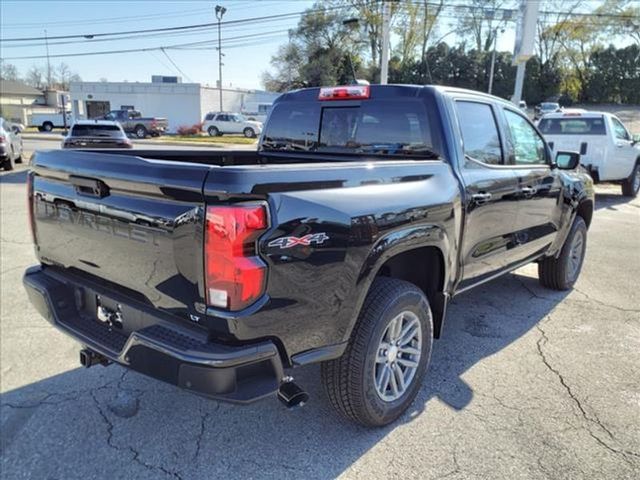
x: 131, y: 224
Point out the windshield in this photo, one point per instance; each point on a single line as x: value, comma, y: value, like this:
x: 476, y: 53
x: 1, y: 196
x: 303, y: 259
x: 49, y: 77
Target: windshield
x: 382, y: 127
x: 572, y: 126
x: 111, y: 131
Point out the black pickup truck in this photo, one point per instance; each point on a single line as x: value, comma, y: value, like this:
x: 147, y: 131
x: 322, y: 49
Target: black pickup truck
x: 340, y: 240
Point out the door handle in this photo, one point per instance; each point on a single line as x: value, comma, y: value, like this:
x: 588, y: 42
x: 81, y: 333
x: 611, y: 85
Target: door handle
x: 529, y: 191
x: 481, y: 197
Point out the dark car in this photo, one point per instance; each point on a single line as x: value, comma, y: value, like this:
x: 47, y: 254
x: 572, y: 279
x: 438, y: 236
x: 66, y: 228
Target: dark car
x: 340, y: 241
x: 96, y: 134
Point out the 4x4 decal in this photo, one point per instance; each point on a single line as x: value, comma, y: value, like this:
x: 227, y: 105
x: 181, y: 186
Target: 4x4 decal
x: 288, y: 242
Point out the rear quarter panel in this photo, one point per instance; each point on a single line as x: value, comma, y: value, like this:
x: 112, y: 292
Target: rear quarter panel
x: 368, y: 212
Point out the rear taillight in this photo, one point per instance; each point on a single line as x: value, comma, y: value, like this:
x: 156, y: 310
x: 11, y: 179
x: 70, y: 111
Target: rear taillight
x: 31, y: 206
x: 350, y: 92
x: 235, y: 276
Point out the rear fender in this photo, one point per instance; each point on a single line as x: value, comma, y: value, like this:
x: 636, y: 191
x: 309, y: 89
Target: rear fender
x: 393, y: 244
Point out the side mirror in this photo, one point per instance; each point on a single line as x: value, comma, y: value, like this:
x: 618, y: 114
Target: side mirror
x: 567, y: 160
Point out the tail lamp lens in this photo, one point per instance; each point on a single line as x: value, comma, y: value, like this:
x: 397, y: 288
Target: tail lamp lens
x: 235, y: 275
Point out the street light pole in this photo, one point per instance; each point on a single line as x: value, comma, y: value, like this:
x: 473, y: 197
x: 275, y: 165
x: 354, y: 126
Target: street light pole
x: 220, y: 11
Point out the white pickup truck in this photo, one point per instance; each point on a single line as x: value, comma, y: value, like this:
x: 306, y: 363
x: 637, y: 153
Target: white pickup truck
x: 607, y: 149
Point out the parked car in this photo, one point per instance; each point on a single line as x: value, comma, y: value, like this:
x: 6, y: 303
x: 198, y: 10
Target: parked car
x: 216, y: 124
x: 10, y: 145
x: 608, y: 151
x: 544, y: 108
x: 96, y: 134
x: 45, y: 122
x: 132, y: 121
x: 341, y: 240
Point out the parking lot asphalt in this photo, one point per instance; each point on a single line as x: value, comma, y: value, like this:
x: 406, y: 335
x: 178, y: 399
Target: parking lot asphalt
x: 526, y: 383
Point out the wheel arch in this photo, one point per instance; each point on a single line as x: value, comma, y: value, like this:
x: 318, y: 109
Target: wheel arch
x: 585, y: 210
x: 418, y: 255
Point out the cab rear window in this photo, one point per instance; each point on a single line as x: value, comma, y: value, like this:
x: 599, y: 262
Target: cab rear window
x: 572, y: 126
x: 398, y: 127
x: 112, y: 131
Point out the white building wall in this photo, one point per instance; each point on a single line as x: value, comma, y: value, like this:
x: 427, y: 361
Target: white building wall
x: 178, y: 103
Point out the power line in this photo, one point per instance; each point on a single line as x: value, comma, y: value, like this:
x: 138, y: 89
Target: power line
x: 171, y: 29
x: 175, y: 65
x: 137, y: 18
x: 149, y: 49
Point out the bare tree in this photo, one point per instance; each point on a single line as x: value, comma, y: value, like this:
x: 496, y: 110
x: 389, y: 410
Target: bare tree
x: 35, y: 77
x: 9, y: 71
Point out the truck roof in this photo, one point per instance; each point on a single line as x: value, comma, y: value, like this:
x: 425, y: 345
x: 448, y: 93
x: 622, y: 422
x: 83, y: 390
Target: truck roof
x: 577, y: 114
x: 311, y: 93
x: 96, y: 122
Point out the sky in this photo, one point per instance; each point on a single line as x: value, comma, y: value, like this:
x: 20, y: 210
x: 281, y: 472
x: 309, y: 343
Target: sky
x: 245, y: 58
x: 243, y: 65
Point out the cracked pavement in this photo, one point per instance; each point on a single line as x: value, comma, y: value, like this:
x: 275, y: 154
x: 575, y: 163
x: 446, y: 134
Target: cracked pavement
x: 525, y: 383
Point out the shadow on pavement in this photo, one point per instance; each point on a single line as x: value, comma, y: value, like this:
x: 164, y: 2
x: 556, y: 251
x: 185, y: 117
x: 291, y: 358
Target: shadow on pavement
x: 610, y: 201
x: 111, y: 423
x: 14, y: 177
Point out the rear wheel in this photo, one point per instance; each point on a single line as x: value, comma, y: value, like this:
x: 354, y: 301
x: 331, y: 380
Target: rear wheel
x: 562, y: 273
x: 631, y: 186
x: 47, y: 126
x: 8, y: 163
x: 249, y: 132
x: 381, y: 371
x: 141, y: 131
x: 213, y: 131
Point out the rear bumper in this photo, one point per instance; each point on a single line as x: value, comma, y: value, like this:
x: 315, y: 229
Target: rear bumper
x: 238, y: 374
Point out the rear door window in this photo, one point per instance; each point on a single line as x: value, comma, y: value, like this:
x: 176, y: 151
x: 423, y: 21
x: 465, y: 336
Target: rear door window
x: 480, y: 136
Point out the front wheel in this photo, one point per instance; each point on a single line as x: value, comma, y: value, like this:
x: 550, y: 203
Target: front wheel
x: 562, y: 273
x: 380, y: 373
x: 631, y: 186
x: 47, y: 126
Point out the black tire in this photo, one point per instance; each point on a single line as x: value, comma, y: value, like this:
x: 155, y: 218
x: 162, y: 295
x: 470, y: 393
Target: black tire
x: 561, y: 273
x: 141, y: 131
x: 213, y: 132
x: 47, y: 126
x: 8, y: 163
x: 631, y: 185
x: 349, y: 381
x: 19, y: 159
x: 249, y: 132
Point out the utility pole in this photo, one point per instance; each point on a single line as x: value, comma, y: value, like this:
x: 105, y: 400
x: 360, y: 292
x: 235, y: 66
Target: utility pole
x: 386, y: 31
x: 493, y: 58
x: 46, y: 42
x: 220, y: 11
x: 525, y: 39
